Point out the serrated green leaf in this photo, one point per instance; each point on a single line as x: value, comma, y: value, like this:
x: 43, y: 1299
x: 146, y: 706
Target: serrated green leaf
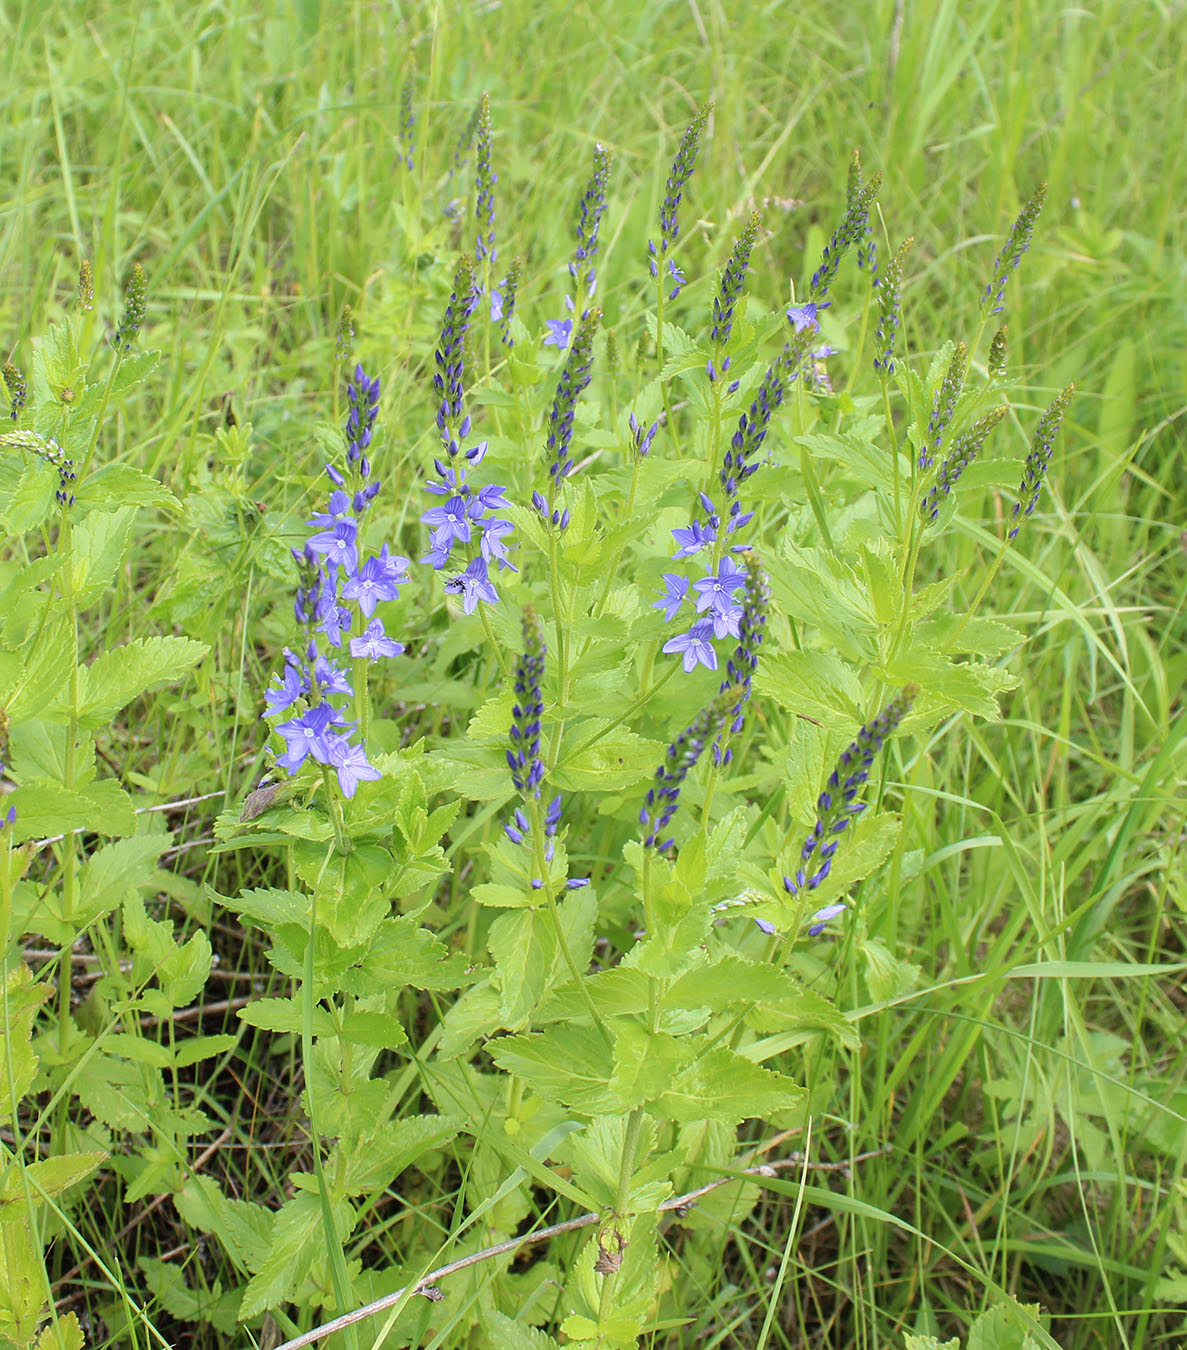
x: 375, y: 1159
x: 268, y: 907
x: 569, y: 1065
x: 30, y: 502
x: 816, y: 685
x: 297, y: 1238
x: 645, y: 1063
x: 99, y: 544
x: 284, y: 1015
x: 198, y: 1048
x: 118, y: 676
x: 380, y: 1030
x: 114, y: 871
x: 721, y: 1085
x: 18, y: 1063
x: 115, y: 486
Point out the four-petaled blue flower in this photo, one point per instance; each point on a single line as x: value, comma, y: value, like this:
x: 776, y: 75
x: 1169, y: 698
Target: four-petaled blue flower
x: 375, y: 643
x: 473, y: 585
x: 337, y: 544
x: 805, y: 318
x: 450, y: 522
x: 560, y: 331
x: 676, y: 589
x: 693, y: 538
x: 282, y: 696
x: 378, y: 579
x: 351, y: 765
x: 714, y: 591
x: 695, y: 645
x: 306, y: 735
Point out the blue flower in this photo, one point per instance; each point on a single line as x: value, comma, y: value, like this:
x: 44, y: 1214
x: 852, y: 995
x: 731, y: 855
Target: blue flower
x: 493, y: 548
x: 331, y: 678
x: 663, y: 799
x: 693, y: 538
x: 282, y: 696
x: 559, y: 333
x: 306, y: 735
x: 473, y: 585
x: 820, y: 919
x: 840, y: 802
x: 373, y: 582
x: 374, y: 643
x: 351, y: 764
x: 804, y: 318
x: 451, y: 521
x: 337, y: 545
x: 695, y: 646
x: 676, y: 590
x: 715, y: 591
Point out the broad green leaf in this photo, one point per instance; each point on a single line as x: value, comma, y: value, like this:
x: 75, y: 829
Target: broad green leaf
x: 268, y: 907
x: 198, y: 1048
x: 118, y: 676
x: 100, y: 542
x: 284, y: 1014
x: 298, y: 1238
x: 374, y: 1160
x: 116, y: 485
x: 46, y: 1179
x: 46, y: 668
x: 967, y: 686
x: 19, y: 1002
x: 31, y: 500
x: 523, y: 944
x: 506, y: 1333
x: 816, y: 685
x: 114, y: 872
x: 379, y: 1030
x: 46, y: 808
x: 569, y: 1065
x: 64, y: 1333
x: 243, y: 1229
x: 618, y: 759
x: 645, y: 1063
x: 720, y: 1085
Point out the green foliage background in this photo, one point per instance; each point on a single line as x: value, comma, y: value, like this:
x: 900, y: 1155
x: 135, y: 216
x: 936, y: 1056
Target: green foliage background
x: 247, y: 157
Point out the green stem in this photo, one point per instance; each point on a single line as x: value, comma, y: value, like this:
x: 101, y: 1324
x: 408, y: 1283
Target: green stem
x: 622, y: 1200
x: 338, y: 1271
x: 342, y: 841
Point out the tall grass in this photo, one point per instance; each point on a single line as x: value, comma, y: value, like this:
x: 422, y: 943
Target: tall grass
x: 1020, y: 1010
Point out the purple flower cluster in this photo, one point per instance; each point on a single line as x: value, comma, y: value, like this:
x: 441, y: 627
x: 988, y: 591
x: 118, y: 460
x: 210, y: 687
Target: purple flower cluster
x: 756, y: 602
x: 465, y: 510
x: 334, y: 583
x: 573, y: 382
x: 867, y: 248
x: 965, y: 449
x: 486, y: 180
x: 641, y: 437
x: 1011, y: 255
x: 408, y: 118
x: 663, y: 799
x: 523, y: 756
x: 1039, y: 458
x: 583, y: 267
x: 851, y: 229
x: 135, y: 297
x: 839, y: 804
x: 890, y: 294
x: 726, y: 300
x: 18, y: 389
x: 682, y: 167
x: 502, y: 301
x: 943, y: 404
x: 591, y: 210
x: 47, y: 449
x: 450, y: 355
